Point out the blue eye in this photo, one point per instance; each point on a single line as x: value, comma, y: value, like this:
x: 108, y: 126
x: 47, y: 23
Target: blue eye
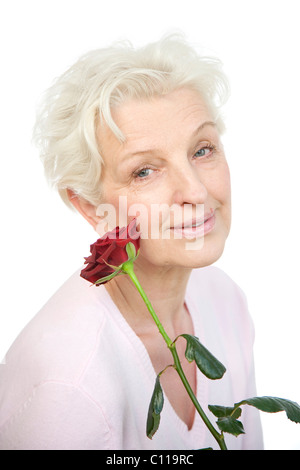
x: 204, y: 152
x: 143, y: 173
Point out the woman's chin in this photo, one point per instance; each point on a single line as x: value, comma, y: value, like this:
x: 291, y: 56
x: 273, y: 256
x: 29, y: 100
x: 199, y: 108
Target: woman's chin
x: 191, y: 254
x: 202, y: 257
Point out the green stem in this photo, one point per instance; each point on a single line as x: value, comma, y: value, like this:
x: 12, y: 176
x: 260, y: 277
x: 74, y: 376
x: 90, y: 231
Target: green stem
x: 128, y: 269
x: 218, y: 437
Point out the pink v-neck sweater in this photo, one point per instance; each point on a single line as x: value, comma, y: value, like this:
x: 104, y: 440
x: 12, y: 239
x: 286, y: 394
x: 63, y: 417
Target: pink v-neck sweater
x: 78, y: 377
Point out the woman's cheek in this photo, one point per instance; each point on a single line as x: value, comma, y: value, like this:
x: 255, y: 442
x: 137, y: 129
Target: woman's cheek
x: 221, y: 186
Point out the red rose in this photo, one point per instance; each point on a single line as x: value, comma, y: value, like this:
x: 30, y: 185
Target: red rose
x: 110, y: 250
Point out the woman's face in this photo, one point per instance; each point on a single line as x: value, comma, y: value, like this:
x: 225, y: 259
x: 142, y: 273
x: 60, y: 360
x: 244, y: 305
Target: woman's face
x: 173, y: 156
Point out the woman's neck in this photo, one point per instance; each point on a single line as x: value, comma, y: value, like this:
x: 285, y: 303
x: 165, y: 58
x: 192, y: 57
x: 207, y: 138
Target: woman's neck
x: 164, y: 287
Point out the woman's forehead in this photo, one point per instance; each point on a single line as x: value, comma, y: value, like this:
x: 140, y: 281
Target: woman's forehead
x: 145, y: 123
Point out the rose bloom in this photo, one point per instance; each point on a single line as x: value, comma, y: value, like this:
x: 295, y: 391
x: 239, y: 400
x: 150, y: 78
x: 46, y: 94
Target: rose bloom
x: 109, y: 251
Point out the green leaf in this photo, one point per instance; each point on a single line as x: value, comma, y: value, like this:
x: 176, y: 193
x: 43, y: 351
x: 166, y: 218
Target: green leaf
x: 273, y: 405
x: 155, y: 408
x: 227, y: 421
x: 206, y: 362
x: 224, y: 411
x: 231, y: 425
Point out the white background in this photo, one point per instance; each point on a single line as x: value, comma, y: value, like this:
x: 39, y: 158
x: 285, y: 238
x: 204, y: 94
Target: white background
x: 43, y: 242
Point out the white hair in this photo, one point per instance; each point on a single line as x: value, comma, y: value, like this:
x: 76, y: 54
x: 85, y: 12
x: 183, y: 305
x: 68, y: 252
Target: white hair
x: 80, y: 99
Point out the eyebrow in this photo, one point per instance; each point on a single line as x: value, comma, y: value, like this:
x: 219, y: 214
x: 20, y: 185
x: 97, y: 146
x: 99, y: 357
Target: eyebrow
x: 153, y: 150
x: 204, y: 124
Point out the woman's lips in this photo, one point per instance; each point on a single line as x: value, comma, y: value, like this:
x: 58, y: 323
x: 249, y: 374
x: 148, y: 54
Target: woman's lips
x: 195, y: 228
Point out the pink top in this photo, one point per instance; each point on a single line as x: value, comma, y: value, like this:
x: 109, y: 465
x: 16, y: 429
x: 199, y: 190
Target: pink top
x: 78, y: 377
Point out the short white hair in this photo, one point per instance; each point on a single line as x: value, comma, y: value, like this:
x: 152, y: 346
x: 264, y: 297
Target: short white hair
x: 82, y: 98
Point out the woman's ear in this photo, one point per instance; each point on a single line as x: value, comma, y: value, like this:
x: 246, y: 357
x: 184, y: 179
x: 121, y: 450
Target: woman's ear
x: 85, y: 208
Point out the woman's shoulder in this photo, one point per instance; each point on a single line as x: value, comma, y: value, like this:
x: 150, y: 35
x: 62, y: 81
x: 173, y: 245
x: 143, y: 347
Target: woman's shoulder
x: 57, y: 346
x: 216, y: 284
x: 213, y: 276
x: 72, y: 313
x: 57, y: 343
x: 220, y: 298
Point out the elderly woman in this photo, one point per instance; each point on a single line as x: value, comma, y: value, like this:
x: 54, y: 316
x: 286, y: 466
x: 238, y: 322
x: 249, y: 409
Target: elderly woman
x: 141, y: 126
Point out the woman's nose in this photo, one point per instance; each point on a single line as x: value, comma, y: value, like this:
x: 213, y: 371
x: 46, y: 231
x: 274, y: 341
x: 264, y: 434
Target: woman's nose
x: 188, y: 185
